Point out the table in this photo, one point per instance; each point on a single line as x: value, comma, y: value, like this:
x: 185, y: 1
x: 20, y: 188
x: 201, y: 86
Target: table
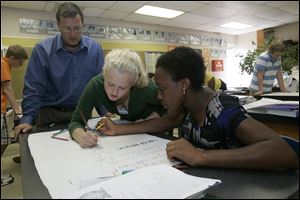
x: 235, y: 183
x: 287, y: 126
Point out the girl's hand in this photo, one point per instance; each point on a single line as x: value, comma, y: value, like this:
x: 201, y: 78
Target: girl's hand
x: 183, y: 150
x: 109, y: 128
x: 85, y: 138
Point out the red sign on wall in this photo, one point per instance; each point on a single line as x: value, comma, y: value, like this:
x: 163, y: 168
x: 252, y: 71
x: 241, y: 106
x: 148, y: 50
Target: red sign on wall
x: 217, y: 65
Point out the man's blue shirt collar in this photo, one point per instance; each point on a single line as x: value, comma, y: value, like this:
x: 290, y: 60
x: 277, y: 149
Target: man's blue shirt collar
x: 59, y: 43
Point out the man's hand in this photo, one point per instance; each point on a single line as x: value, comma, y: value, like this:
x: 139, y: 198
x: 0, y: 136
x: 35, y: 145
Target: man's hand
x: 258, y: 93
x: 22, y: 128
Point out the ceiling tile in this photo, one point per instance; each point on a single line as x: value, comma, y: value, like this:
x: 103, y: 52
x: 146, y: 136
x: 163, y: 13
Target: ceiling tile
x: 144, y: 19
x: 114, y: 14
x: 174, y: 23
x: 200, y: 15
x: 255, y: 10
x: 203, y: 27
x: 126, y: 6
x: 50, y: 7
x: 92, y: 4
x: 177, y: 5
x: 275, y: 14
x: 286, y: 20
x: 224, y: 30
x: 29, y: 5
x: 92, y: 12
x: 194, y: 18
x: 291, y: 8
x: 277, y: 4
x: 251, y: 20
x: 234, y: 4
x: 212, y: 11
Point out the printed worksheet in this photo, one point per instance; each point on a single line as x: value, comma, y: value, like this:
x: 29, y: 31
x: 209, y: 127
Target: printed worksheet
x: 65, y: 167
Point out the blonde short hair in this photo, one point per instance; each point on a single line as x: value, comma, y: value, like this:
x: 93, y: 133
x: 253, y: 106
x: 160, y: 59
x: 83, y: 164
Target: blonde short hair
x: 276, y: 46
x: 126, y: 60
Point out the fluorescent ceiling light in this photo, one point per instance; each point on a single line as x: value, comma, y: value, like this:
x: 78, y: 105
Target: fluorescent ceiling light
x: 236, y: 25
x: 158, y: 12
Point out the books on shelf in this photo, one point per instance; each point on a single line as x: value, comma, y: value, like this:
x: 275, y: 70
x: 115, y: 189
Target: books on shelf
x: 155, y: 182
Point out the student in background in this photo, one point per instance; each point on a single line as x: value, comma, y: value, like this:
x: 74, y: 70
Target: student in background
x: 123, y: 88
x: 216, y: 130
x: 14, y: 58
x: 58, y: 70
x: 214, y: 83
x: 267, y: 68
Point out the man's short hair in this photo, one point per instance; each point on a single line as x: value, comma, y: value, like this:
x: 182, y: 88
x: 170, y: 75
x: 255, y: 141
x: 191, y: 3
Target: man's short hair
x: 276, y: 46
x: 68, y: 10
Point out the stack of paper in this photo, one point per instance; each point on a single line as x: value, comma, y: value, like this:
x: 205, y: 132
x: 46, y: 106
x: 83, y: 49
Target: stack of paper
x: 156, y: 182
x: 274, y: 107
x: 288, y: 110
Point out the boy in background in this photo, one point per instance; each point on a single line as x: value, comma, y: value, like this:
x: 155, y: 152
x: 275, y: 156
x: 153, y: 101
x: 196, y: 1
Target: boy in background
x: 14, y: 58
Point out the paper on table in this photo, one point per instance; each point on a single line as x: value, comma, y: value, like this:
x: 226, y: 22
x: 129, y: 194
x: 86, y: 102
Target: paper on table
x: 155, y: 182
x: 63, y: 165
x: 294, y: 94
x: 267, y: 101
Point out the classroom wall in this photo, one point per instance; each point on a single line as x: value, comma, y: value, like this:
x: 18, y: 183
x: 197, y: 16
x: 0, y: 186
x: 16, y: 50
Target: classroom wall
x: 10, y: 34
x: 10, y: 26
x: 287, y: 32
x: 245, y: 42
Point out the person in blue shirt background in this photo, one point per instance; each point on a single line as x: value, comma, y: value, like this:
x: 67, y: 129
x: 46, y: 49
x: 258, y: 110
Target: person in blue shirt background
x: 268, y: 66
x: 58, y: 70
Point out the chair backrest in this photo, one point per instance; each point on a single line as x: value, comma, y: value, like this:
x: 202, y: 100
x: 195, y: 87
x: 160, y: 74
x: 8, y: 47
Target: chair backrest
x: 294, y: 144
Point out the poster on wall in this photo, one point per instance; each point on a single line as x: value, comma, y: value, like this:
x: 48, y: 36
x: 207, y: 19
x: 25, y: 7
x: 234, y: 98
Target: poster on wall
x: 217, y: 65
x: 51, y: 27
x: 195, y: 39
x: 114, y: 33
x: 223, y: 43
x: 94, y: 30
x: 159, y: 36
x: 223, y: 53
x: 214, y: 53
x: 35, y: 26
x: 173, y: 37
x: 144, y: 34
x: 129, y: 33
x: 184, y: 39
x: 205, y: 40
x: 215, y: 42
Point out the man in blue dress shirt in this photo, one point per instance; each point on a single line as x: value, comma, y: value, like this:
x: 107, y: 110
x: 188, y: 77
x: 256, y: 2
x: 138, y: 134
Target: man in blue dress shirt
x: 58, y: 71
